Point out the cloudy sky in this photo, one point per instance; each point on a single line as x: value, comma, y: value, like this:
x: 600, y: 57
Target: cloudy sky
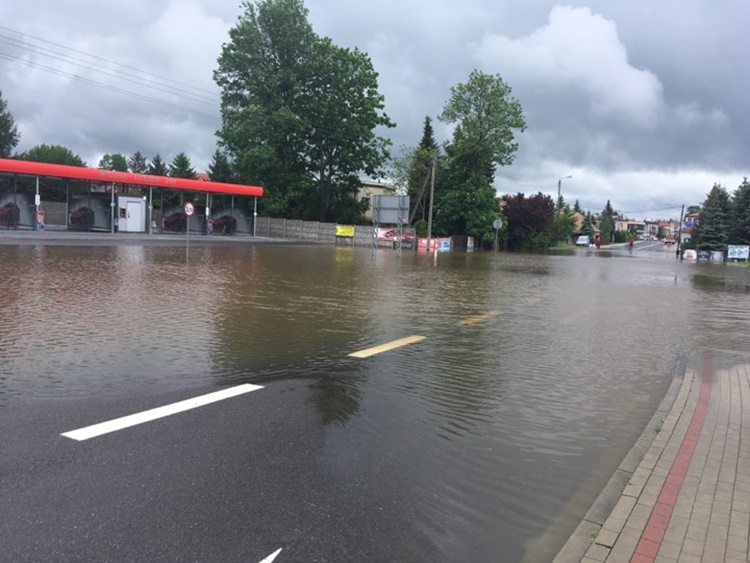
x: 643, y: 103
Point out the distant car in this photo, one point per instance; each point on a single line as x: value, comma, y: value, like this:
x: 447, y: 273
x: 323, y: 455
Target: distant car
x: 583, y: 240
x: 668, y: 240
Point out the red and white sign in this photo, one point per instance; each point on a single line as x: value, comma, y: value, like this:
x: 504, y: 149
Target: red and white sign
x: 189, y: 209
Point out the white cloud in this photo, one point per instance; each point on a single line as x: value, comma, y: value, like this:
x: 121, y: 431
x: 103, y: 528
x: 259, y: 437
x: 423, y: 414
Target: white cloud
x: 580, y: 51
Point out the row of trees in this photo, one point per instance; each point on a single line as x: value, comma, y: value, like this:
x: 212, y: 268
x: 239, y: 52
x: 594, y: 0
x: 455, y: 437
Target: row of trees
x: 723, y: 219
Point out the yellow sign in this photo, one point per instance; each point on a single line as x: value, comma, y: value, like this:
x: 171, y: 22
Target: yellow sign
x: 344, y: 230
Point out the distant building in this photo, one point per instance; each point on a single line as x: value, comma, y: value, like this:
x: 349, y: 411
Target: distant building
x: 370, y: 188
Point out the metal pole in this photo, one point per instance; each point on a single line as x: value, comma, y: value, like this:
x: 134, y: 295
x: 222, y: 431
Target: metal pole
x: 112, y: 211
x: 37, y: 201
x: 255, y: 211
x: 679, y: 231
x: 151, y: 210
x: 432, y: 201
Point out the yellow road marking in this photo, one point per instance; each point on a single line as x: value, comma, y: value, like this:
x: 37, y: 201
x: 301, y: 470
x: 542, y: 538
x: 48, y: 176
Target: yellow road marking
x: 577, y: 316
x: 476, y: 319
x: 387, y: 346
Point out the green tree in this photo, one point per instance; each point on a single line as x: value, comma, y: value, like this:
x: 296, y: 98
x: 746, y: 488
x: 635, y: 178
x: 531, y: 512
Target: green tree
x: 607, y: 223
x: 588, y: 225
x: 739, y: 226
x: 530, y: 221
x: 485, y: 118
x: 577, y: 207
x: 53, y: 154
x: 299, y: 113
x: 9, y: 136
x: 137, y: 163
x: 220, y: 169
x: 52, y: 190
x: 712, y: 230
x: 420, y: 171
x: 114, y: 161
x: 158, y: 167
x: 563, y: 226
x: 181, y: 167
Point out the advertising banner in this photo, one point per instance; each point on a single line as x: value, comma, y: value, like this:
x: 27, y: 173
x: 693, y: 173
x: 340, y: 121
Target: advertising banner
x: 441, y: 244
x: 345, y: 231
x: 738, y: 252
x: 391, y: 234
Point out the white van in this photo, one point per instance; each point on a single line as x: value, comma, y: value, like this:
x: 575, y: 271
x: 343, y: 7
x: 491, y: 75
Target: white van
x: 583, y: 240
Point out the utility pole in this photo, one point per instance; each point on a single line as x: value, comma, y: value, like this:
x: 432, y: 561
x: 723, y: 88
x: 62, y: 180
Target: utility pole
x: 679, y: 231
x: 559, y: 192
x: 432, y: 198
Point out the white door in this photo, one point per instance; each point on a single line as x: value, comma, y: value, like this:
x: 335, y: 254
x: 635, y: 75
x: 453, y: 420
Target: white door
x: 135, y: 217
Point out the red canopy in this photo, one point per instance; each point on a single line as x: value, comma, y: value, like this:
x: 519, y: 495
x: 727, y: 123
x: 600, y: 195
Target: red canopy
x: 30, y: 168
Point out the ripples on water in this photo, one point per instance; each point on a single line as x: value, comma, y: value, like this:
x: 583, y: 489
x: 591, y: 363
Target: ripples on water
x: 537, y: 374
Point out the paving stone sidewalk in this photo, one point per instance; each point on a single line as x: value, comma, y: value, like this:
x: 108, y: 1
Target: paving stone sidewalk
x: 689, y: 498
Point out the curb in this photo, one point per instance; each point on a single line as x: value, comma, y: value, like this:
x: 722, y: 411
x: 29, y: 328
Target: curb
x: 580, y: 540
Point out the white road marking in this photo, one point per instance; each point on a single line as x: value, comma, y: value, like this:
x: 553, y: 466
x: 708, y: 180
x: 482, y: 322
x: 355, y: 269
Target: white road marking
x: 476, y: 319
x: 149, y: 415
x: 387, y: 346
x: 271, y: 557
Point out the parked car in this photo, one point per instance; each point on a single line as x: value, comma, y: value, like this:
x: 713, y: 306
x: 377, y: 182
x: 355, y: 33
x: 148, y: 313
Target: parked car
x: 668, y: 240
x: 583, y: 240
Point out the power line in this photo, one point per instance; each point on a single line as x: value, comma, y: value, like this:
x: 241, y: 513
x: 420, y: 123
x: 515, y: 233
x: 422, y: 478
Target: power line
x: 118, y: 75
x: 104, y: 86
x: 158, y: 77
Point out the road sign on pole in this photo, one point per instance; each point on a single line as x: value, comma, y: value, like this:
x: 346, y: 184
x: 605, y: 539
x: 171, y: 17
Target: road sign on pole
x: 189, y: 208
x: 497, y: 224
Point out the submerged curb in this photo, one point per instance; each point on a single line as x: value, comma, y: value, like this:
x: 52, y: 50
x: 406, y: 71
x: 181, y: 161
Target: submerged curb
x: 580, y: 540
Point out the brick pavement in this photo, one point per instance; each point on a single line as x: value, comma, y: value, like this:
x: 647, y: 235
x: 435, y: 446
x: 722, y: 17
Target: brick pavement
x: 689, y: 498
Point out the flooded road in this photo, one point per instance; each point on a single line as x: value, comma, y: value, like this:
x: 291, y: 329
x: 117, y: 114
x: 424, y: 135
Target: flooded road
x: 493, y: 435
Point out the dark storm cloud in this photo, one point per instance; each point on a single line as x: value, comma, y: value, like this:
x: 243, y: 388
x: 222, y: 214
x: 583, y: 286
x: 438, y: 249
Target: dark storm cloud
x: 641, y: 104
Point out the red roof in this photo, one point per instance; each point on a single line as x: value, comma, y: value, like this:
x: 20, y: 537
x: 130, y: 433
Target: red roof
x: 31, y: 168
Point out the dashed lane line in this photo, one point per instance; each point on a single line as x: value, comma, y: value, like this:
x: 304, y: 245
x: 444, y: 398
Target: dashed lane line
x: 147, y: 416
x: 476, y: 319
x: 387, y: 346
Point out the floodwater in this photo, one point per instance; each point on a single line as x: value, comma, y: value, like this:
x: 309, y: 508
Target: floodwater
x: 497, y: 432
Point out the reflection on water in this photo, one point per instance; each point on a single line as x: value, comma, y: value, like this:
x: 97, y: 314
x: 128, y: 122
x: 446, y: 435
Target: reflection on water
x: 537, y: 374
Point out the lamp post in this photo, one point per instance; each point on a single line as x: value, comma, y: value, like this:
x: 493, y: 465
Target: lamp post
x: 559, y: 191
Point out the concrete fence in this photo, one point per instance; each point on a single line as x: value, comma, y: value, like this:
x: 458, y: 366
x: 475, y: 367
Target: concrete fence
x: 324, y: 233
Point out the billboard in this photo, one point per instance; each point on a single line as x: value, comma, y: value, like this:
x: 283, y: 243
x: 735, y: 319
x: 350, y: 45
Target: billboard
x: 391, y: 234
x: 738, y: 252
x: 441, y: 244
x: 390, y: 209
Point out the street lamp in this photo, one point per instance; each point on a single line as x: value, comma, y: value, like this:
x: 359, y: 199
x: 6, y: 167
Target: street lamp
x: 559, y: 190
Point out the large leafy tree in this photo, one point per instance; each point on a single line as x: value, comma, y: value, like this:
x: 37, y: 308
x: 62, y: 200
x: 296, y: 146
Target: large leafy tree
x: 9, y: 135
x: 530, y: 221
x: 114, y: 161
x: 52, y: 190
x: 53, y: 154
x: 712, y: 230
x: 739, y: 226
x: 299, y: 113
x: 485, y: 118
